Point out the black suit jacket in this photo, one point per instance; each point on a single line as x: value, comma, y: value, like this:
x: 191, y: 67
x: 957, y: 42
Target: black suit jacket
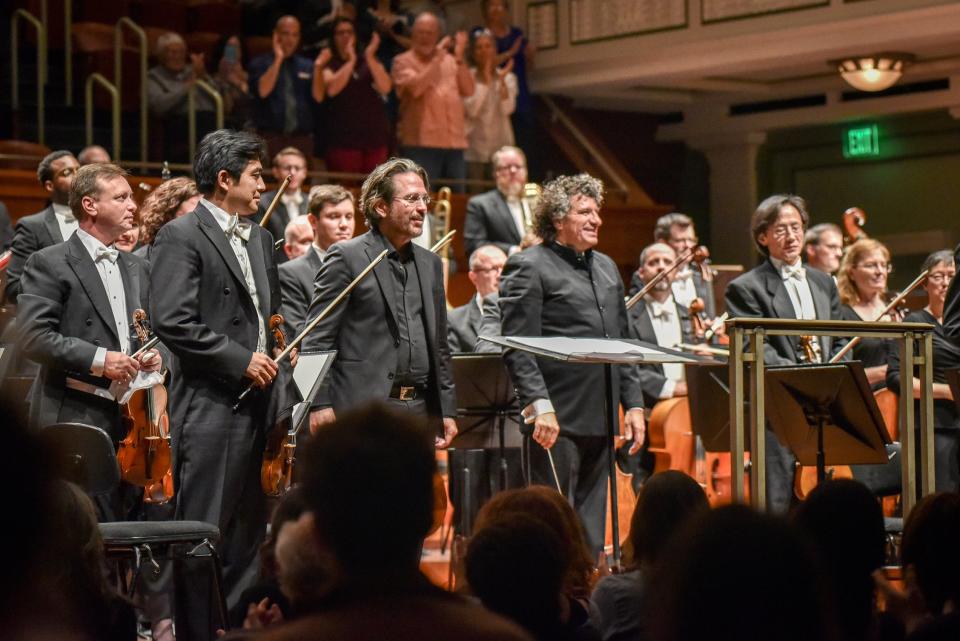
x: 641, y: 328
x: 704, y: 290
x: 64, y: 316
x: 296, y: 285
x: 761, y: 293
x: 463, y: 323
x: 32, y: 233
x: 542, y: 294
x: 951, y: 308
x: 278, y: 220
x: 363, y: 328
x: 489, y: 221
x: 6, y: 229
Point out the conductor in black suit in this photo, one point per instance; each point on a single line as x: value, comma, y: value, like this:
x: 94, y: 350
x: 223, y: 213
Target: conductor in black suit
x: 951, y: 308
x: 391, y: 331
x: 486, y: 263
x: 289, y: 161
x: 499, y: 216
x: 332, y: 217
x: 564, y: 287
x: 52, y: 225
x: 214, y: 287
x: 781, y: 287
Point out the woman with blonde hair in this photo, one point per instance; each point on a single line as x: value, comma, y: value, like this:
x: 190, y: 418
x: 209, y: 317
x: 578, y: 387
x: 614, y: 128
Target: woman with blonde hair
x: 862, y: 284
x: 172, y: 199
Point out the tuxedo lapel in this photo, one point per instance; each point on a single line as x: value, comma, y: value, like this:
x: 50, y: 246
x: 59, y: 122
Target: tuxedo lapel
x: 382, y: 273
x: 52, y: 226
x: 208, y: 225
x: 258, y: 268
x: 506, y: 219
x: 130, y: 273
x: 425, y: 273
x: 82, y: 265
x: 782, y: 306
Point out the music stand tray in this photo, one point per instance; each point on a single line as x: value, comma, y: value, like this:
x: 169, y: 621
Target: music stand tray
x: 826, y: 414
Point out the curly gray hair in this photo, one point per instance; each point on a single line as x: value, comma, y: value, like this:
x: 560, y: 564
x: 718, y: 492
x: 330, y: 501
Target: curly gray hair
x: 555, y: 201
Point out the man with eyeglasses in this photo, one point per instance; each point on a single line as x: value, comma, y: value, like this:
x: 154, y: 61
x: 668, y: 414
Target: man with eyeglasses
x: 823, y: 247
x: 486, y: 263
x: 390, y: 332
x: 501, y: 216
x: 292, y: 162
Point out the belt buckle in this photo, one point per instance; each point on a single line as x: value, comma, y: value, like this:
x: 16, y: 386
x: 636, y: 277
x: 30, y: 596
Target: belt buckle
x: 407, y: 393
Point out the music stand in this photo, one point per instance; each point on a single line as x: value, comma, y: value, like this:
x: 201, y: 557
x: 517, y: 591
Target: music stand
x: 599, y: 351
x: 826, y: 414
x: 708, y: 391
x: 953, y: 380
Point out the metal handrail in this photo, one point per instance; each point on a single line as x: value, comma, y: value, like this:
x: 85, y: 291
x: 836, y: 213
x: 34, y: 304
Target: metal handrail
x: 192, y: 110
x: 114, y: 91
x: 752, y: 332
x: 67, y: 51
x: 118, y: 68
x: 23, y: 14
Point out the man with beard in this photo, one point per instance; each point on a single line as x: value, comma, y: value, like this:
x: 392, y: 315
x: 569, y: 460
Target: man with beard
x: 500, y: 216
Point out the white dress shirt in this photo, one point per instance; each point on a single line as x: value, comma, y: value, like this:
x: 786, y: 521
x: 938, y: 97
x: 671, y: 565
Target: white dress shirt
x: 798, y: 289
x: 228, y: 223
x: 684, y: 289
x: 66, y: 220
x: 292, y: 202
x: 321, y: 253
x: 666, y: 326
x: 516, y: 210
x: 105, y: 259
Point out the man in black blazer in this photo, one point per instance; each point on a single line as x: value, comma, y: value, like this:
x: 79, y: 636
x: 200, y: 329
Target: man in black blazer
x: 75, y: 310
x: 332, y: 215
x: 780, y: 287
x: 499, y: 216
x: 289, y: 161
x: 52, y: 225
x: 951, y: 307
x: 463, y: 323
x: 390, y: 333
x: 214, y: 286
x: 565, y: 288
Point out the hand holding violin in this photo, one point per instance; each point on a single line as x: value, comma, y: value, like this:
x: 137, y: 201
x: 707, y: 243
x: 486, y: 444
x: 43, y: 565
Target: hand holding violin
x: 150, y: 361
x: 261, y: 370
x: 117, y: 366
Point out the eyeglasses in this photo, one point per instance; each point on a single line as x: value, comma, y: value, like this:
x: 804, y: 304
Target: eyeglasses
x: 513, y: 167
x: 484, y: 270
x: 940, y: 277
x: 883, y: 267
x: 413, y: 200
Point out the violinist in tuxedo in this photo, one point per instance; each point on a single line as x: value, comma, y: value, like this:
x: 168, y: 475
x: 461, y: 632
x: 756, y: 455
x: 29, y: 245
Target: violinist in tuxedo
x: 215, y: 286
x: 76, y: 303
x: 51, y: 226
x: 781, y: 287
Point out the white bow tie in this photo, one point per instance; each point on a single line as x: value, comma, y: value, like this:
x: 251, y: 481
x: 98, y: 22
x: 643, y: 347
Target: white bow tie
x: 797, y: 272
x: 105, y: 252
x: 239, y: 229
x: 661, y: 310
x: 685, y: 274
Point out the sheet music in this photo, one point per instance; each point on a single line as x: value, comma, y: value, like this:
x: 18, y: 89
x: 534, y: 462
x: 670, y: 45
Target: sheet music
x: 589, y: 350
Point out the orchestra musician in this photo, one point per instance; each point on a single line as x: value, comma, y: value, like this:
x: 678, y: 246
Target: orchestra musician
x: 332, y: 217
x: 390, y: 333
x: 563, y: 287
x: 463, y: 323
x: 76, y: 302
x: 500, y: 216
x: 946, y: 356
x: 823, y: 247
x: 214, y: 284
x: 780, y: 287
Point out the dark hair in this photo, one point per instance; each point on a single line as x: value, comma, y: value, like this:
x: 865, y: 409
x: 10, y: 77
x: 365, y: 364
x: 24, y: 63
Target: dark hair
x: 225, y: 149
x: 339, y: 20
x: 661, y: 232
x: 221, y: 46
x: 767, y: 212
x: 290, y: 508
x: 555, y: 201
x: 87, y: 182
x: 379, y: 186
x: 327, y: 195
x: 930, y: 544
x: 368, y: 479
x: 944, y: 256
x: 45, y: 170
x: 843, y: 522
x: 664, y: 503
x: 515, y: 567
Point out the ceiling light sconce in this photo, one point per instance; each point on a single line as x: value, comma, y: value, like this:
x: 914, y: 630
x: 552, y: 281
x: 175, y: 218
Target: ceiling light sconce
x: 873, y: 73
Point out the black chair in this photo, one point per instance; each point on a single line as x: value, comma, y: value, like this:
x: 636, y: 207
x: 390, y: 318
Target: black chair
x: 91, y: 463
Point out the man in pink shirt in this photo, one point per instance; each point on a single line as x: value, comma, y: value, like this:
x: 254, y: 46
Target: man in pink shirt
x: 431, y: 83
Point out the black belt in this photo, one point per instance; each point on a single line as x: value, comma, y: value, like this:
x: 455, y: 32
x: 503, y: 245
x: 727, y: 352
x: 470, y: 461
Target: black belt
x: 407, y: 392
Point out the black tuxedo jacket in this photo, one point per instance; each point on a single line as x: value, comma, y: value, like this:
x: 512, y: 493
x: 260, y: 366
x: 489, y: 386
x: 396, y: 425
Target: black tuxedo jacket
x: 641, y: 328
x: 278, y: 220
x: 296, y: 285
x: 542, y: 294
x: 760, y: 293
x: 363, y: 328
x: 463, y: 325
x: 64, y: 316
x: 32, y: 233
x: 489, y: 222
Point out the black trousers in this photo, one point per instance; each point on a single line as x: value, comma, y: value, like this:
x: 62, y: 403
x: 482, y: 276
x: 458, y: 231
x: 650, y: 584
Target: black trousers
x: 581, y: 463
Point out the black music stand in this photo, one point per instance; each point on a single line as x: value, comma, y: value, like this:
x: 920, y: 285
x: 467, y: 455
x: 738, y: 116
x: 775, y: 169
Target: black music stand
x: 708, y: 391
x: 486, y: 400
x: 826, y: 414
x: 953, y: 380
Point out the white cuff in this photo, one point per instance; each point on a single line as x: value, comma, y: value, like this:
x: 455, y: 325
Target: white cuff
x: 535, y: 409
x: 667, y: 390
x: 99, y: 360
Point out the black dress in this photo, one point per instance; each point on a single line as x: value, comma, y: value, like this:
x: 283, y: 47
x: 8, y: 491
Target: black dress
x: 872, y: 352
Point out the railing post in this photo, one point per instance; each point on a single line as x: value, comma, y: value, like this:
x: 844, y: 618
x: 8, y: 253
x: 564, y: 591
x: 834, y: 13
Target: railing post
x: 192, y: 111
x: 118, y: 72
x: 736, y: 415
x: 928, y: 480
x: 68, y: 51
x: 907, y: 436
x: 758, y: 424
x: 114, y: 111
x: 41, y: 65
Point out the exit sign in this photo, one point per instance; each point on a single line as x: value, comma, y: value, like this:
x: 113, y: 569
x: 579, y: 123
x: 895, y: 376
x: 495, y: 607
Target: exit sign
x: 859, y: 142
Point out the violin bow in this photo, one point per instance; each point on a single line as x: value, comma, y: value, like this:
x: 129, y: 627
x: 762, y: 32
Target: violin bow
x: 275, y: 201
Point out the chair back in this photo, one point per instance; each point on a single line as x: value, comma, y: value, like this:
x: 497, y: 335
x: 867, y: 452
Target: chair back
x: 88, y: 456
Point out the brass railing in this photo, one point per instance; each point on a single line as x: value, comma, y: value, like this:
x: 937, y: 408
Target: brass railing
x: 114, y: 91
x: 192, y: 110
x: 118, y: 69
x: 23, y: 14
x: 752, y: 332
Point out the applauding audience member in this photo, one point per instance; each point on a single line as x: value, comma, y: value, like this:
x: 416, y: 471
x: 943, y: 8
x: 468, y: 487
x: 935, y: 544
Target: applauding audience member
x: 233, y: 82
x: 489, y: 108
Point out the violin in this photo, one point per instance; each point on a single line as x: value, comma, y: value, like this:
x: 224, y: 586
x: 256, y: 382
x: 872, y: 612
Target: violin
x: 279, y: 455
x: 144, y: 454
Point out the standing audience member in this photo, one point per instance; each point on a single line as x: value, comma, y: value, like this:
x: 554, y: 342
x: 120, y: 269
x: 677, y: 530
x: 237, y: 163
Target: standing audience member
x: 358, y: 130
x: 297, y: 238
x: 431, y: 83
x: 392, y: 23
x: 286, y: 87
x: 168, y: 85
x: 233, y: 82
x: 489, y: 108
x: 370, y: 548
x: 52, y: 225
x: 664, y: 504
x: 486, y: 263
x: 500, y: 216
x: 91, y: 154
x: 171, y: 199
x: 292, y: 162
x: 823, y: 247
